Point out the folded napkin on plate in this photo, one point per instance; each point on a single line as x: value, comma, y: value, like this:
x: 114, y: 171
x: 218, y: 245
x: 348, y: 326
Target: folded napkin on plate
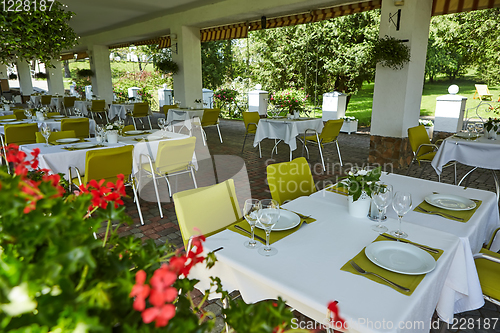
x: 54, y: 143
x: 303, y: 218
x: 337, y: 189
x: 409, y: 281
x: 273, y: 237
x: 149, y: 140
x: 143, y: 133
x: 463, y: 215
x: 77, y: 148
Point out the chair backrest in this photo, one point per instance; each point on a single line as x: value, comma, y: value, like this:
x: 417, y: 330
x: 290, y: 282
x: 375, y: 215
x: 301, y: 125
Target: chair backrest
x: 128, y: 128
x: 98, y: 105
x: 45, y: 100
x: 79, y: 125
x: 290, y: 180
x: 20, y: 134
x: 10, y: 116
x: 69, y: 101
x: 418, y: 136
x: 206, y: 209
x: 55, y: 136
x: 52, y: 114
x: 331, y: 130
x: 210, y: 117
x: 482, y: 89
x: 251, y: 118
x: 98, y: 166
x: 25, y: 99
x: 174, y: 155
x: 168, y: 107
x: 140, y: 110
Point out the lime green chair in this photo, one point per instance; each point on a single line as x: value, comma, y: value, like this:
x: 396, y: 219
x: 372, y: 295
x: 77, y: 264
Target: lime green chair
x: 69, y: 104
x: 290, y: 180
x: 45, y: 100
x: 206, y: 210
x: 488, y: 270
x: 20, y: 134
x: 251, y: 120
x: 141, y: 110
x: 10, y: 116
x: 55, y: 136
x: 98, y: 108
x: 98, y: 166
x: 210, y: 118
x: 173, y: 158
x: 168, y: 107
x: 328, y: 135
x: 19, y: 114
x: 423, y: 150
x: 81, y: 126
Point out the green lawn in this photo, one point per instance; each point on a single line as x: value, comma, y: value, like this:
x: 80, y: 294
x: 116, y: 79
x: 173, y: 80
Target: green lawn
x: 360, y: 105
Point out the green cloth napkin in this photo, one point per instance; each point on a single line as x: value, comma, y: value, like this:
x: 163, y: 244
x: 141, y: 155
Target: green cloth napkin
x: 76, y: 148
x: 273, y: 237
x: 338, y: 190
x: 409, y: 281
x: 462, y: 214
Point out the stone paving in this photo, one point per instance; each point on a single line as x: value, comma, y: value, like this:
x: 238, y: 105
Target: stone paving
x: 226, y: 159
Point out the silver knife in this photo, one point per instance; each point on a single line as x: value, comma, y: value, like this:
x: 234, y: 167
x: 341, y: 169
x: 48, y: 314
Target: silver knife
x: 407, y: 242
x: 250, y: 234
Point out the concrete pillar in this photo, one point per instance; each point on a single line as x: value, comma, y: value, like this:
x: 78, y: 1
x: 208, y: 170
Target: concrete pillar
x: 3, y: 72
x: 55, y: 78
x: 398, y: 93
x: 24, y: 77
x: 102, y: 85
x: 188, y: 81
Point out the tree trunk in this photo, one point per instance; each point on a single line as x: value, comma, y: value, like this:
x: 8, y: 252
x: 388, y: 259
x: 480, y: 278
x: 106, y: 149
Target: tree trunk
x: 67, y: 73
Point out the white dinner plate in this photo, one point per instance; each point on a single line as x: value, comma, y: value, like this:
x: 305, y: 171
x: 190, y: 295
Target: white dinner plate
x: 12, y: 122
x: 400, y: 257
x: 59, y: 116
x: 134, y: 132
x: 450, y: 202
x: 7, y: 120
x: 466, y: 135
x: 287, y: 220
x: 84, y: 145
x: 67, y: 140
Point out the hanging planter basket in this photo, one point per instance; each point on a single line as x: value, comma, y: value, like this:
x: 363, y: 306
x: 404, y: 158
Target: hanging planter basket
x: 167, y: 67
x: 84, y: 73
x: 391, y: 52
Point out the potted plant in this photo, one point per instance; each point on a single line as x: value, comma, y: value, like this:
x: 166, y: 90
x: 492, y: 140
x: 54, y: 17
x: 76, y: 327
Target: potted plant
x: 391, y: 52
x: 491, y: 128
x: 84, y: 73
x: 198, y: 104
x: 40, y: 75
x: 12, y: 76
x: 358, y: 185
x: 293, y: 100
x: 350, y: 125
x: 167, y: 66
x: 429, y: 126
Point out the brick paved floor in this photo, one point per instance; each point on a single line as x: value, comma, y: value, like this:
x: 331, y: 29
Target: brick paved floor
x: 250, y: 176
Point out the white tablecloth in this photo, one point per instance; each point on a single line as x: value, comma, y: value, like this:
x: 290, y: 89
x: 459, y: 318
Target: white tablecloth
x: 119, y: 110
x: 83, y: 107
x: 306, y: 270
x: 482, y: 152
x: 6, y: 113
x: 57, y: 102
x: 285, y: 129
x: 36, y: 99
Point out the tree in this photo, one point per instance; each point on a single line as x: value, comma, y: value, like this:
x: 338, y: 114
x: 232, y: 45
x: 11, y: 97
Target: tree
x: 40, y: 34
x: 329, y: 55
x: 218, y: 63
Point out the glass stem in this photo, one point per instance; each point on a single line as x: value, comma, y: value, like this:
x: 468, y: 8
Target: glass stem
x: 400, y: 217
x: 251, y: 229
x: 267, y: 239
x: 380, y: 216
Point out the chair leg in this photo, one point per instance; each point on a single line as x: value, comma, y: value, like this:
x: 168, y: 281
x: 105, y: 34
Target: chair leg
x: 133, y: 120
x: 168, y: 185
x: 204, y: 136
x: 409, y: 167
x: 194, y: 178
x: 150, y: 126
x: 137, y: 202
x: 320, y: 152
x: 157, y: 195
x: 244, y: 140
x: 220, y: 136
x: 422, y: 172
x: 338, y: 151
x: 260, y: 151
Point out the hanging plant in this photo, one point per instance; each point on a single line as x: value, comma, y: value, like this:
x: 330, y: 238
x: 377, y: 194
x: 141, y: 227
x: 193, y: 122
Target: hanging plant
x: 12, y: 76
x: 391, y: 52
x: 84, y: 72
x: 41, y: 33
x: 40, y: 75
x: 167, y: 66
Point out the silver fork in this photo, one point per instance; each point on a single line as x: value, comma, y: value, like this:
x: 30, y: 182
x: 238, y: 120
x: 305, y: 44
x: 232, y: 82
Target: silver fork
x: 439, y: 213
x: 362, y: 271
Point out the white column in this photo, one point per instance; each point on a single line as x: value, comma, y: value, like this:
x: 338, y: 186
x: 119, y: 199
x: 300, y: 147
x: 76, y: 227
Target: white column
x: 3, y: 72
x: 398, y: 93
x: 55, y: 78
x: 24, y: 77
x: 102, y: 85
x: 188, y: 81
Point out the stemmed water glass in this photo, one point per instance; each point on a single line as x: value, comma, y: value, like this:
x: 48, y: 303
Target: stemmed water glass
x: 479, y: 128
x: 46, y: 134
x: 401, y: 204
x: 382, y: 196
x: 251, y: 213
x: 178, y: 103
x: 28, y: 114
x: 269, y: 214
x: 161, y: 124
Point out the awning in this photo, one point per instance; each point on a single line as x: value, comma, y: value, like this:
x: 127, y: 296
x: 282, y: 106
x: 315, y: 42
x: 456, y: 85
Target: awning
x: 442, y: 7
x: 79, y: 55
x: 224, y: 32
x: 162, y: 42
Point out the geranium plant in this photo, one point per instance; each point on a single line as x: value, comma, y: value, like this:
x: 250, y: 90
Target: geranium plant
x: 359, y: 181
x: 226, y: 96
x: 292, y: 100
x: 492, y: 124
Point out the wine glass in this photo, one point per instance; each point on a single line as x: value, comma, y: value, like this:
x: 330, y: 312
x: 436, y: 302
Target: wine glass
x: 269, y: 214
x: 382, y: 196
x: 178, y: 103
x: 471, y: 128
x: 401, y: 204
x: 251, y: 213
x: 121, y: 124
x: 28, y: 114
x: 479, y: 128
x: 46, y: 134
x: 161, y: 124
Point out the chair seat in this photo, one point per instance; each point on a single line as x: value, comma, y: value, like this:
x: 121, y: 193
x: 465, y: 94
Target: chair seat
x: 314, y: 138
x: 146, y: 167
x: 489, y: 272
x: 427, y: 156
